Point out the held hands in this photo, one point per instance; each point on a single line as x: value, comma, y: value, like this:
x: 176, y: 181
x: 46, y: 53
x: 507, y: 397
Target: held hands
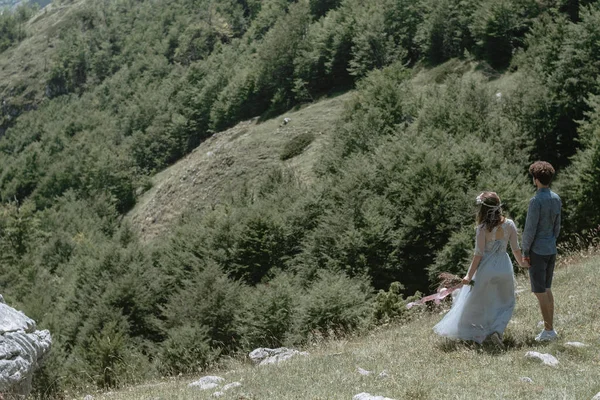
x: 525, y: 262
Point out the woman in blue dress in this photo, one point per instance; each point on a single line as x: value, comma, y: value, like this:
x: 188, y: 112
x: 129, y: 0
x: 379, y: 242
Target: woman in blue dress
x: 486, y: 302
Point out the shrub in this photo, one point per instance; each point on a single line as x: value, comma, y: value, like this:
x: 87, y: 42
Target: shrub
x: 296, y: 145
x: 373, y: 46
x: 454, y: 257
x: 12, y: 24
x: 209, y: 298
x: 108, y: 356
x: 276, y: 55
x: 187, y: 350
x: 323, y: 58
x: 334, y: 304
x: 390, y: 305
x: 270, y: 311
x: 499, y: 28
x: 445, y: 31
x: 579, y: 185
x: 319, y: 8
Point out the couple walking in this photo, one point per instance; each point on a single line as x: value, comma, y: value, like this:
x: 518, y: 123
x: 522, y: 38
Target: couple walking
x: 483, y: 308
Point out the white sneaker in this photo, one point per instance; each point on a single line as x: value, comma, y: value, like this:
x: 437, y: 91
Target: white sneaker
x: 546, y: 336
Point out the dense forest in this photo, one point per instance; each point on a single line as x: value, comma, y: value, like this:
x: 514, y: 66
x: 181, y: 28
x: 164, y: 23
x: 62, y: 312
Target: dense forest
x: 135, y: 85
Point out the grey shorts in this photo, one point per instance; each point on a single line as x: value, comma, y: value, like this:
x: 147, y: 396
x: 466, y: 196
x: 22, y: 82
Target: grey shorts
x: 541, y: 272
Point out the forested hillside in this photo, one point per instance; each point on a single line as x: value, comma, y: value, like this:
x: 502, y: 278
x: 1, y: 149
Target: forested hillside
x: 448, y: 98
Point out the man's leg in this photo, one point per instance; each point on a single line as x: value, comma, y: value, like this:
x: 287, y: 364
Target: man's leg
x: 551, y: 262
x: 540, y: 274
x: 546, y: 301
x: 551, y: 309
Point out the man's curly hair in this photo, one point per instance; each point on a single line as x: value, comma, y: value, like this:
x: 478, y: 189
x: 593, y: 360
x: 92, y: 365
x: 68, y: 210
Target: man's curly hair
x: 542, y: 171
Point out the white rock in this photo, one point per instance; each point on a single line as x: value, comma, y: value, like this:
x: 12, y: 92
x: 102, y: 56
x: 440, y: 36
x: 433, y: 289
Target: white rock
x: 205, y: 386
x: 547, y: 359
x: 231, y: 386
x: 218, y: 394
x: 526, y: 379
x: 383, y: 374
x: 265, y: 356
x: 12, y: 320
x: 364, y: 371
x: 367, y: 396
x: 596, y: 397
x: 575, y: 344
x: 257, y: 355
x: 207, y: 382
x: 22, y: 350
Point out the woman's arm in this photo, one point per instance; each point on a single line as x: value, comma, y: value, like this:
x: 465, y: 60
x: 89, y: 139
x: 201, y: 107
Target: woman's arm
x: 514, y: 245
x: 472, y: 269
x: 519, y: 258
x: 479, y: 250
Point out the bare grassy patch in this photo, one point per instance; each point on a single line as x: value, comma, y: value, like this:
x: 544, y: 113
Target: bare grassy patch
x: 238, y: 156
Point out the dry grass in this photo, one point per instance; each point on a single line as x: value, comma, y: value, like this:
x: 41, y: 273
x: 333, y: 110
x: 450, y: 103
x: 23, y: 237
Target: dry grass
x: 423, y: 366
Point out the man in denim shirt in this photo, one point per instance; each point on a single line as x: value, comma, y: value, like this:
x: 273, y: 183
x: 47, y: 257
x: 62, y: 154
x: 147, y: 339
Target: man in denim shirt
x: 542, y: 227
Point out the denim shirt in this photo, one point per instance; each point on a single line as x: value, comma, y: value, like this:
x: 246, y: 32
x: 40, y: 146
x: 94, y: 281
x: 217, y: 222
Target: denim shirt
x: 542, y: 225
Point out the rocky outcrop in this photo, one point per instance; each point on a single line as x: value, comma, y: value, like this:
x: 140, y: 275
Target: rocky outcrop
x: 22, y: 349
x: 265, y: 356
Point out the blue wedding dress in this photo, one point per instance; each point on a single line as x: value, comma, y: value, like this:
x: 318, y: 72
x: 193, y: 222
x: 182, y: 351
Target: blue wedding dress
x: 485, y: 307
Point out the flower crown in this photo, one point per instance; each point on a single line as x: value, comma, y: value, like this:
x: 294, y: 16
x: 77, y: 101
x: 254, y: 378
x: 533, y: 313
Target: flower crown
x: 480, y: 202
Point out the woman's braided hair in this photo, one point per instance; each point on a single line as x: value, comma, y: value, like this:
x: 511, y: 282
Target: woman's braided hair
x: 490, y: 210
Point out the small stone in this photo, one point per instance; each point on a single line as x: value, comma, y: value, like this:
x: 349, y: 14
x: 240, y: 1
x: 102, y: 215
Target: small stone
x: 383, y: 374
x: 207, y: 382
x: 363, y: 371
x: 367, y: 396
x: 547, y: 359
x: 596, y: 397
x: 218, y: 394
x: 231, y: 386
x: 526, y: 379
x: 575, y: 344
x: 88, y: 397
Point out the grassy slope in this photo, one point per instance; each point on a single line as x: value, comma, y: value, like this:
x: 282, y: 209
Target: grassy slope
x: 24, y: 68
x: 238, y: 156
x: 423, y: 366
